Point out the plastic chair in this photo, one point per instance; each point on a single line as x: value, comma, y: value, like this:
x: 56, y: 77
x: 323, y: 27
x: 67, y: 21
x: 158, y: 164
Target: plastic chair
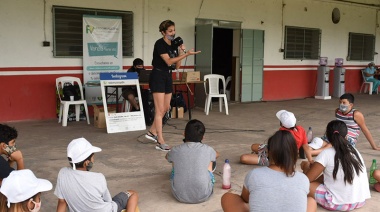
x: 64, y: 105
x: 367, y: 84
x: 211, y: 86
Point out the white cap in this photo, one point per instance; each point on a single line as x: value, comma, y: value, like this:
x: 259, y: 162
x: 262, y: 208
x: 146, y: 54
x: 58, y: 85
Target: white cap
x: 287, y: 119
x: 21, y: 185
x: 316, y: 143
x: 79, y: 149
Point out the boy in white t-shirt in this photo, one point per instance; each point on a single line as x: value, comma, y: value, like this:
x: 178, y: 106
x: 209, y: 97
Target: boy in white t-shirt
x: 81, y: 190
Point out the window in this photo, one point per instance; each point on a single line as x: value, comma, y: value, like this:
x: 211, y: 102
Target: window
x: 68, y: 30
x: 302, y: 43
x: 361, y: 47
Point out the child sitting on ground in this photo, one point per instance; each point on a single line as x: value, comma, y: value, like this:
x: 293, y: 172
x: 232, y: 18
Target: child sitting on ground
x: 343, y: 184
x: 278, y: 187
x: 288, y: 121
x: 8, y: 137
x: 21, y: 191
x: 354, y: 120
x: 192, y: 179
x: 82, y: 190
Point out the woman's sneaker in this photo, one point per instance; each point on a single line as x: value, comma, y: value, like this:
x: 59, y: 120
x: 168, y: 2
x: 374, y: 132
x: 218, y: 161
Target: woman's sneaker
x: 149, y: 135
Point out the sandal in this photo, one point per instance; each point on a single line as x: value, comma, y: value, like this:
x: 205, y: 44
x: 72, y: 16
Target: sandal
x: 149, y: 135
x: 163, y: 147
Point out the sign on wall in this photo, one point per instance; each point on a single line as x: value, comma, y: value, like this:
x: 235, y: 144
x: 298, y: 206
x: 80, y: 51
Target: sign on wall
x: 126, y: 121
x: 102, y: 52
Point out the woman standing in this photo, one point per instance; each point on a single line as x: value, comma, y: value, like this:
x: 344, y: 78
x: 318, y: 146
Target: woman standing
x: 343, y: 185
x: 166, y: 57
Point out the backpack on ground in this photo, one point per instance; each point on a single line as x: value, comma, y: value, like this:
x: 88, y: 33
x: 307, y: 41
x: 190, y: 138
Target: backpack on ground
x: 148, y: 105
x: 178, y: 101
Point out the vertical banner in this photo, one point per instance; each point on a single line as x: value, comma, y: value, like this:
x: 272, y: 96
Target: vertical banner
x: 102, y: 52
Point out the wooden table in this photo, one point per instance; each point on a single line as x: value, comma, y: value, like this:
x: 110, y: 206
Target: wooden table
x: 188, y: 90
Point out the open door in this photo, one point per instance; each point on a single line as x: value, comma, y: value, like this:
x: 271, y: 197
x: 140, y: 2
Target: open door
x: 203, y: 61
x: 252, y: 64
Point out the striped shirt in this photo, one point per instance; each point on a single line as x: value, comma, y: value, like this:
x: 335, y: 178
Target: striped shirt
x: 352, y: 126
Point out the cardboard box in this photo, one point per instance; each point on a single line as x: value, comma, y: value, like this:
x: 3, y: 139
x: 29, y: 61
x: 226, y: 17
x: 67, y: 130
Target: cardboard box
x: 191, y: 76
x: 180, y: 112
x: 99, y: 116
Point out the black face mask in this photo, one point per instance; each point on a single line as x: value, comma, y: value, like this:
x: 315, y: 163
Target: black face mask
x: 89, y: 166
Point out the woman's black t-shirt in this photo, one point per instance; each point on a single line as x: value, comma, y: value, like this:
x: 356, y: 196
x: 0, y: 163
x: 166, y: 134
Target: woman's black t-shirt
x: 161, y: 47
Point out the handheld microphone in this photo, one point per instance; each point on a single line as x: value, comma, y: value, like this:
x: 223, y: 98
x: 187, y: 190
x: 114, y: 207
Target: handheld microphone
x: 176, y: 42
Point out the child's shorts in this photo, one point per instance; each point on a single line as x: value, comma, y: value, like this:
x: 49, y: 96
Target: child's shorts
x: 324, y: 198
x: 121, y: 200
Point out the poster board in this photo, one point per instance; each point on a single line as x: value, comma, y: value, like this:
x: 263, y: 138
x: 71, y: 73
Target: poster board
x: 124, y: 121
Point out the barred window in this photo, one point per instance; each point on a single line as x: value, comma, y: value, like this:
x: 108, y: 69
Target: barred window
x: 68, y: 30
x: 361, y: 47
x: 302, y: 43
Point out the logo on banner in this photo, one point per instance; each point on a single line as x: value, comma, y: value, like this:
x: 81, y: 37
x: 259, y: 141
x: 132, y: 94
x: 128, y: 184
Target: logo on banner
x: 89, y: 28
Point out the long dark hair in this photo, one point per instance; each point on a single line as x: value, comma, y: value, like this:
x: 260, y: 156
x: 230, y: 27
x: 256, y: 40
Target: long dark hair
x: 282, y: 150
x: 346, y: 154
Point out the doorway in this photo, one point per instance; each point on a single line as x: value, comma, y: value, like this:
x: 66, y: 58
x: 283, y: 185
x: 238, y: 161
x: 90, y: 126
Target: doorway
x: 222, y: 52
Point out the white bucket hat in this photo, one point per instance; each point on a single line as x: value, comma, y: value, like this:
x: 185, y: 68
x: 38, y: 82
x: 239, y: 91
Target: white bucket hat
x: 316, y: 143
x: 79, y: 149
x: 21, y: 185
x: 286, y: 118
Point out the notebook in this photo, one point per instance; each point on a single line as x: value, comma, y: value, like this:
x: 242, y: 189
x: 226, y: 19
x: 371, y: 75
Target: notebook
x: 144, y: 76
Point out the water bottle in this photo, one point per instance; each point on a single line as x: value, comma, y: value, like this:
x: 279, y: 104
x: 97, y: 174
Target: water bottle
x: 309, y: 135
x: 176, y: 74
x: 226, y: 175
x: 371, y: 170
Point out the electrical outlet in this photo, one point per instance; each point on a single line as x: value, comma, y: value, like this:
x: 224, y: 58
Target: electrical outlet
x: 45, y: 43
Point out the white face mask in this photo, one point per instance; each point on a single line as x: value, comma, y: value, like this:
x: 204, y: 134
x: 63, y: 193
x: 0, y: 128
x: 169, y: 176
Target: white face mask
x: 37, y: 206
x: 170, y: 37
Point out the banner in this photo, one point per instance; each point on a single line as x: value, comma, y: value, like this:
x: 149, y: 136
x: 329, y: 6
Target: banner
x: 102, y: 52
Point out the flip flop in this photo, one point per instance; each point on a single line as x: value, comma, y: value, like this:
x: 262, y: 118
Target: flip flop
x: 163, y: 147
x: 149, y: 135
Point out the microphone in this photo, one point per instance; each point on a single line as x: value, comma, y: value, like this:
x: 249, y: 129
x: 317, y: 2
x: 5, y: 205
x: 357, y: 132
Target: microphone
x: 176, y: 42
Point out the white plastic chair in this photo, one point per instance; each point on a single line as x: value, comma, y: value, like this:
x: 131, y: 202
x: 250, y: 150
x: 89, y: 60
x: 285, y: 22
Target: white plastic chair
x: 64, y: 105
x: 211, y: 86
x: 367, y: 84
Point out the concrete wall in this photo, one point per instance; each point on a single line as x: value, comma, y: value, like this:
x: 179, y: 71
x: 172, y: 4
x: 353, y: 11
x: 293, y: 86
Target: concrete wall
x: 28, y: 70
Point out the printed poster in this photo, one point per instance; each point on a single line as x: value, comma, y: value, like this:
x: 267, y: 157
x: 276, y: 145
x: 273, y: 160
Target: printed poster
x: 102, y: 52
x: 125, y: 121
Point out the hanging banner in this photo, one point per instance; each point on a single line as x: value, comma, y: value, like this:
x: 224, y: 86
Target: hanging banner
x: 102, y: 52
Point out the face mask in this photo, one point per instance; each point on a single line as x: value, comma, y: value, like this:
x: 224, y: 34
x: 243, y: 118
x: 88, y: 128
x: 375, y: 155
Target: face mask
x: 170, y: 37
x: 10, y: 149
x: 343, y: 108
x: 89, y: 166
x: 37, y: 206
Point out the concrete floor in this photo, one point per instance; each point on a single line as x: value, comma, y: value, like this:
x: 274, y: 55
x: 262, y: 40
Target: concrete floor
x: 129, y: 161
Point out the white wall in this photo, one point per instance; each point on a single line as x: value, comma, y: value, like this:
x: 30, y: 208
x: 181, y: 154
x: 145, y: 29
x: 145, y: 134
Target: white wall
x: 22, y: 33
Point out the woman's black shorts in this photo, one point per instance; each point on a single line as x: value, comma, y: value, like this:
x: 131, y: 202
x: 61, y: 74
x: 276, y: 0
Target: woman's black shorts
x: 161, y: 81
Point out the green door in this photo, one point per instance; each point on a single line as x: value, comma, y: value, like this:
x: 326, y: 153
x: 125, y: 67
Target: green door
x: 203, y: 60
x: 252, y: 64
